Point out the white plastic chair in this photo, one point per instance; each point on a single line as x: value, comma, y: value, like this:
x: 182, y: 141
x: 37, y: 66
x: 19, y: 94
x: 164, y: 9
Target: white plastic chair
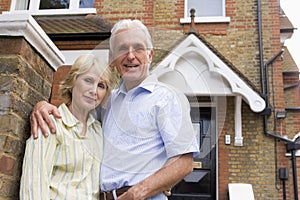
x: 240, y: 191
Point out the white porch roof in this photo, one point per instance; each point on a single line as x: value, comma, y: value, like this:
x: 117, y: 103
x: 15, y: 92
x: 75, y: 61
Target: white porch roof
x: 196, y: 70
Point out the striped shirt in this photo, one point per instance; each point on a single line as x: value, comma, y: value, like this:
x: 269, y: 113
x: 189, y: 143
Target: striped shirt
x: 64, y: 165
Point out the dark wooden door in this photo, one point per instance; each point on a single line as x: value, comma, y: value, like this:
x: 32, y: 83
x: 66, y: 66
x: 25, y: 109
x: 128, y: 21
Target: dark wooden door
x: 201, y: 183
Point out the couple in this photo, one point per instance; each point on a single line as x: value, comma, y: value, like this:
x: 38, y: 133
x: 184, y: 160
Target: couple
x: 148, y: 138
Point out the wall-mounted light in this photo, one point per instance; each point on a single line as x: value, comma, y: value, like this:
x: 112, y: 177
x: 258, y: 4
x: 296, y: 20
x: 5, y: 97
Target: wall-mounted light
x: 281, y: 114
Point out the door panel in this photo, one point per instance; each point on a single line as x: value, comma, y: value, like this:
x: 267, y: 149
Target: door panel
x: 201, y: 183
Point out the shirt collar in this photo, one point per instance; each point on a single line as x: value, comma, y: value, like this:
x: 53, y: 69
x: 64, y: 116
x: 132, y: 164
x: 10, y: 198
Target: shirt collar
x: 69, y: 119
x: 148, y: 84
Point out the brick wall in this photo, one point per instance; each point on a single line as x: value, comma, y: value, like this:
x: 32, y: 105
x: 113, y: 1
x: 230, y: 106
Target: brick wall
x: 258, y: 161
x: 158, y: 13
x: 225, y: 128
x: 291, y: 81
x: 25, y: 79
x: 252, y: 163
x: 4, y: 5
x: 59, y: 76
x: 237, y: 40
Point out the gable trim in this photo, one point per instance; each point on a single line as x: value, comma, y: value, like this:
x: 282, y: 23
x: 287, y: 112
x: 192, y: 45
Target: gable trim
x: 183, y: 58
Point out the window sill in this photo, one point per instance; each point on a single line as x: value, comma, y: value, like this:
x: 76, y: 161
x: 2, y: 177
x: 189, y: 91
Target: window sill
x: 50, y: 12
x: 206, y: 20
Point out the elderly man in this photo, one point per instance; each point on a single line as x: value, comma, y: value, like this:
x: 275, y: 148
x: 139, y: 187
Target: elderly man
x: 149, y: 140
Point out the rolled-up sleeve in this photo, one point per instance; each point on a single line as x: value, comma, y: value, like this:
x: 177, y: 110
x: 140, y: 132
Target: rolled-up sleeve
x: 176, y: 127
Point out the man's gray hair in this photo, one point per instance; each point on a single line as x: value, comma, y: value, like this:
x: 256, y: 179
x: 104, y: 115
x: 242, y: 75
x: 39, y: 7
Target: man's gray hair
x: 130, y: 24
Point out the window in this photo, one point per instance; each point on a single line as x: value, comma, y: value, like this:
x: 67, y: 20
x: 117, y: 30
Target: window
x: 206, y: 11
x: 49, y: 7
x: 205, y: 8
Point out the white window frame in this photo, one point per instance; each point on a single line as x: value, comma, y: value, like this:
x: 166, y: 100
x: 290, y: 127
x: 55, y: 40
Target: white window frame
x: 34, y: 8
x: 208, y: 19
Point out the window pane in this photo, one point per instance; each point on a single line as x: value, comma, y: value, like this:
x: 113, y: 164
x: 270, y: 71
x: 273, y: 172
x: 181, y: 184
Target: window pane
x: 22, y: 5
x: 54, y: 4
x: 205, y: 8
x: 86, y: 4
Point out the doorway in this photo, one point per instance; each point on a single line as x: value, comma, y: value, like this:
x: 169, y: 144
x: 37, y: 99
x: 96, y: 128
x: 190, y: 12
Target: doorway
x: 201, y: 183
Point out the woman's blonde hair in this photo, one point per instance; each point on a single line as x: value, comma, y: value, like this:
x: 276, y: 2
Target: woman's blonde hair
x: 82, y: 65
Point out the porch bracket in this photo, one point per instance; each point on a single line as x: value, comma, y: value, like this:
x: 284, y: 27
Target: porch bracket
x: 238, y: 139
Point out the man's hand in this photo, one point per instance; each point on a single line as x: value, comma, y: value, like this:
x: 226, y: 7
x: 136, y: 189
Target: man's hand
x: 168, y: 192
x: 131, y: 194
x: 40, y: 118
x: 135, y: 194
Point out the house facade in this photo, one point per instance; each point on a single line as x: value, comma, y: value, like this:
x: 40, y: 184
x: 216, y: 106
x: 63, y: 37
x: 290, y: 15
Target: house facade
x: 227, y: 56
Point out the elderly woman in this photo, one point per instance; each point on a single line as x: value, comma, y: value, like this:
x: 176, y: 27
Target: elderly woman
x: 66, y: 165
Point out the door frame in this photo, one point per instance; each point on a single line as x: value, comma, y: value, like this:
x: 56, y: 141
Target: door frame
x: 212, y: 104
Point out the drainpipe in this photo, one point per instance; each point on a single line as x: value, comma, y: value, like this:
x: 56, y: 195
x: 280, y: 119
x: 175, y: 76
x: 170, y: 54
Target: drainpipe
x: 293, y: 147
x: 267, y: 112
x: 261, y: 55
x: 264, y: 78
x: 267, y: 95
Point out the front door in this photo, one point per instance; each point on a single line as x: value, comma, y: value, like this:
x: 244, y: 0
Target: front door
x: 201, y: 183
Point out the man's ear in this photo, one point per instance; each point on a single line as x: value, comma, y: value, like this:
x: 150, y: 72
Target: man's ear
x: 110, y: 59
x: 112, y: 64
x: 150, y: 55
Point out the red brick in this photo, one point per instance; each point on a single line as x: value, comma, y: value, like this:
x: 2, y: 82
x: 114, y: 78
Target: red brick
x: 7, y: 165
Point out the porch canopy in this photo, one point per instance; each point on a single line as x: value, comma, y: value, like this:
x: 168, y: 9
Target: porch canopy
x: 195, y: 69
